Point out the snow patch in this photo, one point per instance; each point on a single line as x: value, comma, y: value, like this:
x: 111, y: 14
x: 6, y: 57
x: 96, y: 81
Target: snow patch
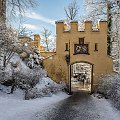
x: 16, y: 109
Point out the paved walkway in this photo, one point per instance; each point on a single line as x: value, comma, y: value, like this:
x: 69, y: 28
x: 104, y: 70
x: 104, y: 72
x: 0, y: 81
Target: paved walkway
x: 80, y: 106
x: 76, y: 86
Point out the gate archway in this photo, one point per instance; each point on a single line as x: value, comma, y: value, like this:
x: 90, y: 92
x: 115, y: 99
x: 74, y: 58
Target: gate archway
x: 81, y: 76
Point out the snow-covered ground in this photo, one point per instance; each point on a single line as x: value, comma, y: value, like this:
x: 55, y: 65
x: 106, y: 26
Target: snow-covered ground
x: 13, y: 107
x: 105, y: 109
x: 80, y: 106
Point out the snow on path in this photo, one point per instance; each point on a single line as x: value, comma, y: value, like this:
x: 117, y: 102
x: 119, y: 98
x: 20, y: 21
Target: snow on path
x: 105, y: 109
x: 78, y: 107
x: 16, y: 109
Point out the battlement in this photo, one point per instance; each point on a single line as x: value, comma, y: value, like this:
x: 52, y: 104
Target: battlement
x: 73, y: 26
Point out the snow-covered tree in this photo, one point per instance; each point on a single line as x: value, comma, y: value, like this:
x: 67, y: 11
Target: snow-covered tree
x: 108, y: 10
x: 7, y: 44
x: 8, y: 48
x: 109, y: 86
x: 103, y: 9
x: 7, y: 35
x: 34, y: 59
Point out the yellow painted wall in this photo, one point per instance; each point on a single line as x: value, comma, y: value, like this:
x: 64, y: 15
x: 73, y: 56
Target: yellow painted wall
x: 47, y: 54
x: 102, y: 64
x: 57, y: 68
x: 33, y: 43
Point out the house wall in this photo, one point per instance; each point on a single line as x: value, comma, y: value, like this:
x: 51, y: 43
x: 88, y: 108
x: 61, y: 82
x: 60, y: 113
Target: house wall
x: 32, y: 43
x: 58, y: 68
x: 47, y: 54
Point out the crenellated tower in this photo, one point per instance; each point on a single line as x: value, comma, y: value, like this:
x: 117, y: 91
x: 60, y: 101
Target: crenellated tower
x: 86, y: 44
x: 94, y: 36
x: 77, y: 46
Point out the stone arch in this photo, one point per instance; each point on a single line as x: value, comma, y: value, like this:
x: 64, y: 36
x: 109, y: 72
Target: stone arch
x: 81, y: 61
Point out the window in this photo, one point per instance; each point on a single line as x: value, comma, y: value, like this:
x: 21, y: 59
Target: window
x: 96, y: 46
x: 66, y: 46
x: 81, y: 40
x: 81, y: 48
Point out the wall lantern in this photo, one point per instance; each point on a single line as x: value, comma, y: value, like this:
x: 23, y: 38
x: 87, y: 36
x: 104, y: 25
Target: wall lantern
x: 67, y: 58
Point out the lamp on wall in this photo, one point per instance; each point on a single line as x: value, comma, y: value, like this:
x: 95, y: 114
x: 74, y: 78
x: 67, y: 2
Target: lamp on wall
x: 67, y: 58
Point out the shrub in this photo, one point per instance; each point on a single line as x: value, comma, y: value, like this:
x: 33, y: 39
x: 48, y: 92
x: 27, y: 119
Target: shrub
x: 109, y: 86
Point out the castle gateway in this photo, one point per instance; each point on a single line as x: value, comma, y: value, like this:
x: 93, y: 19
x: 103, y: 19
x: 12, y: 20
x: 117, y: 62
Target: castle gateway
x: 81, y: 55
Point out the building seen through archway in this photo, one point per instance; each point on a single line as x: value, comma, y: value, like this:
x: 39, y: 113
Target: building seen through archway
x: 81, y: 76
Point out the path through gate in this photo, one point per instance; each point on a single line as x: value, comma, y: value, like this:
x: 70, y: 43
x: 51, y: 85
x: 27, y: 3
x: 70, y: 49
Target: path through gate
x: 81, y: 76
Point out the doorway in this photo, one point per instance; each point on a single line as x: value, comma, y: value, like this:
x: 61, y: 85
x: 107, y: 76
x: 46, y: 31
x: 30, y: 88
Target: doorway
x: 81, y: 76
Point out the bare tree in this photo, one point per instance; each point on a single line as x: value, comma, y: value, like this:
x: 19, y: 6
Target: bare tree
x: 71, y: 10
x: 46, y: 40
x: 20, y: 6
x: 23, y: 31
x: 14, y: 7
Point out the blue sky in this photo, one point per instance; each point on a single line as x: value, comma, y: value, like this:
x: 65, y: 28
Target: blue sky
x: 46, y: 13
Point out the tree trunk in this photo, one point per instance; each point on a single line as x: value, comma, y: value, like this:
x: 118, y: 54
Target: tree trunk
x: 109, y: 19
x: 2, y: 10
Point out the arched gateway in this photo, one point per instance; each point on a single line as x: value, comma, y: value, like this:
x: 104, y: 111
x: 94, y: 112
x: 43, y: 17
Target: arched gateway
x: 81, y: 55
x: 81, y: 76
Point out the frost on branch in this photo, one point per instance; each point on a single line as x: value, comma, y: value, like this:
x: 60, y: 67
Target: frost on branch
x: 34, y: 59
x: 109, y: 86
x: 45, y: 87
x: 21, y: 67
x: 17, y: 74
